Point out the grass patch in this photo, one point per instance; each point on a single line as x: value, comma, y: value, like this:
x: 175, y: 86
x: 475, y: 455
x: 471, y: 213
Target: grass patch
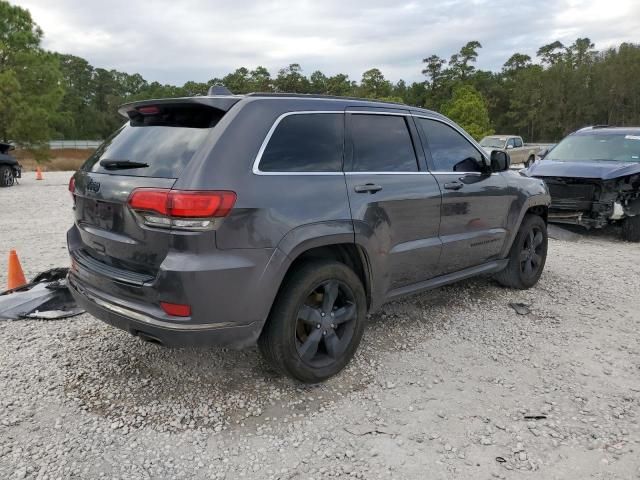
x: 62, y: 160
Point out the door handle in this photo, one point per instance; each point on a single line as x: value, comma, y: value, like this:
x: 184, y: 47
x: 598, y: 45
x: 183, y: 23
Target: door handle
x: 368, y: 188
x: 453, y: 186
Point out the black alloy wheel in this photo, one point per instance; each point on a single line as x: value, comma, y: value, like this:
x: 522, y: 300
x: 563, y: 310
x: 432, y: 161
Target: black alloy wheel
x: 316, y: 322
x: 532, y: 251
x: 326, y: 323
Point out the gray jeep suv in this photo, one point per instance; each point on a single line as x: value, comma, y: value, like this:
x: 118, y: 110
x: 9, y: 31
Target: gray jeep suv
x: 283, y: 219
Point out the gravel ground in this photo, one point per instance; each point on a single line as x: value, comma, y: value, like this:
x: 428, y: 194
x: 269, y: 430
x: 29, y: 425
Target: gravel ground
x: 448, y: 384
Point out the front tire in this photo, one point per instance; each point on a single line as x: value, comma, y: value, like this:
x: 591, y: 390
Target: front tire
x: 316, y: 322
x: 527, y: 256
x: 6, y: 176
x: 631, y: 229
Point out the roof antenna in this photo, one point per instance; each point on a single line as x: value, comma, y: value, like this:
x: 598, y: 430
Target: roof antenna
x: 219, y: 90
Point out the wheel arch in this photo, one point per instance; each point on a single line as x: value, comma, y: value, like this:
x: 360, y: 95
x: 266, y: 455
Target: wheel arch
x: 536, y: 205
x: 332, y: 240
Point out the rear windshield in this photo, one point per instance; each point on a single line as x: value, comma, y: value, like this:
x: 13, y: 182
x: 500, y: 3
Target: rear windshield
x: 163, y: 143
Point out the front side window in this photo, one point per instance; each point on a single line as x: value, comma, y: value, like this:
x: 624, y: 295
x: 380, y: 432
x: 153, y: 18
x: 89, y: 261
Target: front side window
x: 450, y: 151
x: 511, y: 142
x: 309, y: 142
x: 382, y: 143
x: 518, y: 142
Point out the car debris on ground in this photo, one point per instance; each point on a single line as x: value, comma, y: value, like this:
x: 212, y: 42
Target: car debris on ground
x: 46, y: 297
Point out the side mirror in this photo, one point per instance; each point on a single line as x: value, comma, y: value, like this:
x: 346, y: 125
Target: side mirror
x: 543, y: 153
x: 500, y: 161
x: 509, y: 147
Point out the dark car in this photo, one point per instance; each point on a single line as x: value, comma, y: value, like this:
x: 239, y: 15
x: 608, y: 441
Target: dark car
x: 285, y: 219
x: 10, y: 169
x: 594, y: 179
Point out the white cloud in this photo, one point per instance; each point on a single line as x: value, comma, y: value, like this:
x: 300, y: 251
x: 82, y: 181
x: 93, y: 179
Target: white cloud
x: 174, y: 42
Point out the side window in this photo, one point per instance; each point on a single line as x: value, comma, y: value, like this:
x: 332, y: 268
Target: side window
x: 381, y: 143
x: 308, y: 142
x: 511, y: 142
x: 518, y: 142
x: 450, y: 151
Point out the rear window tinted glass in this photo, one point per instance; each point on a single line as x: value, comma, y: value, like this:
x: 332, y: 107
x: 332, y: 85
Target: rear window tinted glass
x: 305, y: 143
x: 165, y: 142
x: 382, y: 143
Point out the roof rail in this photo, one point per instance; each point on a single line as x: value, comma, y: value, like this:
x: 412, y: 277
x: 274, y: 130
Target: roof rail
x: 322, y: 96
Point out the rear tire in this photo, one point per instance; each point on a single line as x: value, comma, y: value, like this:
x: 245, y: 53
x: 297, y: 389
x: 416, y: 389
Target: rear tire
x: 6, y: 176
x: 316, y: 322
x: 631, y: 229
x: 527, y: 256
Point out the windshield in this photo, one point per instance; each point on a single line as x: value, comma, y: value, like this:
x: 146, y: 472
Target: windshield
x: 492, y: 142
x: 614, y: 147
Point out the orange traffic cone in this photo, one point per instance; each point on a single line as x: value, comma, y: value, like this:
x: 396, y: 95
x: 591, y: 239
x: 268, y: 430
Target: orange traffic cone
x: 39, y: 174
x: 16, y: 275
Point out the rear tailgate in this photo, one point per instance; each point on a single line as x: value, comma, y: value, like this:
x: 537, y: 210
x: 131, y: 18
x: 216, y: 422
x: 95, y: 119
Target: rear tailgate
x: 150, y: 151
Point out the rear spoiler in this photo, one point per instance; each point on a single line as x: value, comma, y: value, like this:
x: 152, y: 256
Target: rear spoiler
x: 222, y: 102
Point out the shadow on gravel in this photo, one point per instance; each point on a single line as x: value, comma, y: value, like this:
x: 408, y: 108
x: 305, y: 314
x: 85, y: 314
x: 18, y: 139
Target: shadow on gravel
x: 575, y: 233
x: 137, y: 384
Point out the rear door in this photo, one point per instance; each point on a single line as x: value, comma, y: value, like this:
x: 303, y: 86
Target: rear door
x: 160, y: 141
x: 395, y: 202
x: 474, y: 204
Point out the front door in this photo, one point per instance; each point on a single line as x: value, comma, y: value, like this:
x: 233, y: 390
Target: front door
x: 395, y: 203
x: 474, y: 203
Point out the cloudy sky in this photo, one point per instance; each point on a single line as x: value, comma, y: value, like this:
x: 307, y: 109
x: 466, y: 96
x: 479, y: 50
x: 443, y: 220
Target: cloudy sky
x: 175, y: 41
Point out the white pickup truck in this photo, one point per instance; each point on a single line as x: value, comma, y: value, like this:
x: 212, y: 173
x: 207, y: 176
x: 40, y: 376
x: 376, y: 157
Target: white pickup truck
x: 520, y: 152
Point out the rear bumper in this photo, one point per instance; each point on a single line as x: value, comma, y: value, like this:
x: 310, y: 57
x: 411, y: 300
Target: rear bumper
x: 230, y: 293
x: 135, y: 320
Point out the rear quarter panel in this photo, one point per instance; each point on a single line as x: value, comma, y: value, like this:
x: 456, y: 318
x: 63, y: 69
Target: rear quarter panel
x: 268, y: 207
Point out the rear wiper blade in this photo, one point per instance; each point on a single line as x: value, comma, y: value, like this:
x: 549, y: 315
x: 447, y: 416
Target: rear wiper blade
x: 121, y: 164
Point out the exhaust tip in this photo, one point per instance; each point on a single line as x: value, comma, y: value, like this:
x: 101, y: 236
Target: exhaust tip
x: 149, y: 338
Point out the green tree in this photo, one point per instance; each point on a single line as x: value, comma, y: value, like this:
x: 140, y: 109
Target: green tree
x: 318, y: 83
x: 468, y: 109
x: 551, y: 53
x: 340, y: 85
x: 260, y: 79
x: 374, y: 85
x: 460, y: 64
x: 239, y: 81
x: 291, y: 80
x: 30, y: 80
x: 516, y: 62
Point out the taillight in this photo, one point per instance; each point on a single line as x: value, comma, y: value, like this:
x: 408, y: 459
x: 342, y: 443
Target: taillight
x: 200, y: 204
x: 72, y: 185
x: 176, y: 309
x: 149, y: 200
x: 183, y: 209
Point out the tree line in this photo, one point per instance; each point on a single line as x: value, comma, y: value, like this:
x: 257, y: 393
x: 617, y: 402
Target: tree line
x: 46, y: 95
